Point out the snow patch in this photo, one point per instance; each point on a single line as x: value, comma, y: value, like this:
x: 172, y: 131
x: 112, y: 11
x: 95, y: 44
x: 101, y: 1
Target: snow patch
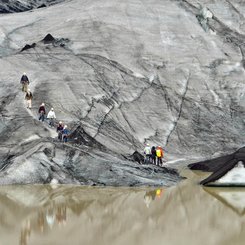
x: 216, y: 97
x: 151, y: 78
x: 31, y: 138
x: 206, y: 13
x: 234, y: 176
x: 98, y: 97
x: 136, y: 74
x: 175, y: 161
x: 2, y: 36
x: 54, y: 182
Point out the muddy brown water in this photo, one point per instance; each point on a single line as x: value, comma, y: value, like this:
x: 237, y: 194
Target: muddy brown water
x: 184, y: 214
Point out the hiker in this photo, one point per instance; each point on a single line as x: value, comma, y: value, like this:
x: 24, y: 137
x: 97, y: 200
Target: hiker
x: 159, y: 153
x: 51, y: 116
x: 159, y: 193
x: 42, y: 112
x: 59, y: 130
x: 149, y: 197
x: 25, y: 82
x: 153, y: 155
x: 147, y: 153
x: 28, y: 98
x: 65, y: 133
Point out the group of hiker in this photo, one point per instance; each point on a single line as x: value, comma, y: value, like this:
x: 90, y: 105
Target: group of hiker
x: 51, y: 115
x: 61, y: 129
x: 153, y: 155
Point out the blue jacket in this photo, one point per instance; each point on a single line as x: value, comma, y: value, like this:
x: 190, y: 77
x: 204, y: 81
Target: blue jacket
x: 65, y: 131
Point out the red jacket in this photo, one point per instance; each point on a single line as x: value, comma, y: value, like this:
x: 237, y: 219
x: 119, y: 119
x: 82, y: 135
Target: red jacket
x: 42, y: 108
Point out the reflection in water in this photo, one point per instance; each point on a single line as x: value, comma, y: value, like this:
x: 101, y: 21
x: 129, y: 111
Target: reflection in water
x: 185, y: 214
x: 50, y: 218
x: 55, y: 215
x: 233, y: 198
x: 25, y: 232
x: 43, y: 221
x: 151, y: 195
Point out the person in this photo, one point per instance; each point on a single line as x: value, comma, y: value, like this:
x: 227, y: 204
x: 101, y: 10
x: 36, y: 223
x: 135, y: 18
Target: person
x: 59, y: 130
x: 51, y: 116
x: 159, y: 153
x: 25, y: 82
x: 25, y: 232
x: 50, y: 217
x: 159, y: 193
x: 61, y: 215
x: 28, y: 98
x: 149, y: 197
x: 65, y: 133
x: 41, y: 221
x: 42, y: 112
x: 153, y: 154
x: 147, y: 153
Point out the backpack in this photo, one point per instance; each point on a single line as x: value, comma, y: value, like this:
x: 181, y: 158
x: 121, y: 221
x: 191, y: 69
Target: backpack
x: 158, y: 151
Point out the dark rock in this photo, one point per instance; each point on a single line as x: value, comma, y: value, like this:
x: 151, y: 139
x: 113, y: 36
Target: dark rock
x: 28, y: 46
x: 10, y: 6
x: 48, y: 39
x: 48, y: 152
x: 42, y: 6
x: 210, y: 165
x: 219, y: 166
x: 241, y: 150
x: 137, y: 157
x: 61, y: 42
x: 80, y: 137
x: 220, y: 172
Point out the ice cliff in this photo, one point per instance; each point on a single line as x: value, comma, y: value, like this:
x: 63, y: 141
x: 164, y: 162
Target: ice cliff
x: 123, y: 73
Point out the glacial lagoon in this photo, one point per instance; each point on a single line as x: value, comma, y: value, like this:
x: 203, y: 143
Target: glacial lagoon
x: 183, y: 214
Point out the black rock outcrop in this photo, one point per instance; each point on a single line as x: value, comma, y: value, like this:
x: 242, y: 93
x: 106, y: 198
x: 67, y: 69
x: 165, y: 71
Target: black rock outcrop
x: 79, y: 137
x: 212, y: 165
x: 48, y: 39
x: 42, y: 6
x: 136, y: 156
x: 219, y: 166
x: 28, y: 46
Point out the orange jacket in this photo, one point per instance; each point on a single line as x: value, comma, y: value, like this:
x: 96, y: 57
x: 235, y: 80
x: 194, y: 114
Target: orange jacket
x: 159, y: 149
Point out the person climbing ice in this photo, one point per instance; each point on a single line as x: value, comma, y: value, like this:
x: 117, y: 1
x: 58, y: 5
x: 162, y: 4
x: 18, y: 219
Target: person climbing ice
x: 42, y: 112
x: 65, y: 133
x: 51, y: 116
x: 59, y: 130
x: 25, y: 82
x: 28, y: 98
x: 147, y: 153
